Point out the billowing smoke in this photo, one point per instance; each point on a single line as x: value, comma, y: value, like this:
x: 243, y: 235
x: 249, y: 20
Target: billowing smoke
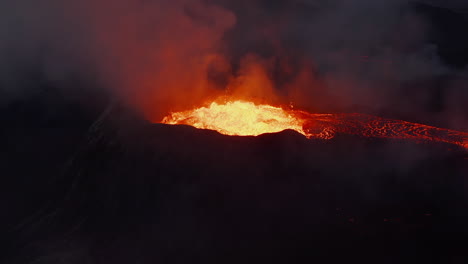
x: 346, y: 56
x: 371, y: 56
x: 139, y: 50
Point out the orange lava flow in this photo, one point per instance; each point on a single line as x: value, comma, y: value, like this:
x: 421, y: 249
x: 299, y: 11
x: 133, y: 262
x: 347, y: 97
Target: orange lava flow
x: 241, y: 118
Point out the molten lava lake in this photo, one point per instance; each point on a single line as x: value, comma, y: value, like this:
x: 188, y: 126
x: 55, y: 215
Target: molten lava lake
x: 243, y: 118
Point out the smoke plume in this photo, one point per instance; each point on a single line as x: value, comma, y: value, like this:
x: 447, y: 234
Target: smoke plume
x: 370, y: 56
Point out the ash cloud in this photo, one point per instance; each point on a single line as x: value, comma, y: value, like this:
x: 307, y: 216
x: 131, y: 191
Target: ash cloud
x: 369, y: 56
x: 377, y: 57
x: 132, y: 48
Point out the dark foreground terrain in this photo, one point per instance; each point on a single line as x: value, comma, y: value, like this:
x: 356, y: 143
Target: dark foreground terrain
x: 137, y: 192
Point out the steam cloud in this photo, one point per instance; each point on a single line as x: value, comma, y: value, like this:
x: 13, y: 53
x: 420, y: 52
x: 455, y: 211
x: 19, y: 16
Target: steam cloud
x: 326, y: 56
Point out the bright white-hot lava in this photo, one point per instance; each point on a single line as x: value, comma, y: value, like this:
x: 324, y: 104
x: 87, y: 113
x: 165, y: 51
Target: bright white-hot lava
x: 241, y: 118
x: 238, y: 118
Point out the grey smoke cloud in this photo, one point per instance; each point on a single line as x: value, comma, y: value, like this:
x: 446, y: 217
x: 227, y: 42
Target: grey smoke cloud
x: 365, y: 55
x: 361, y: 55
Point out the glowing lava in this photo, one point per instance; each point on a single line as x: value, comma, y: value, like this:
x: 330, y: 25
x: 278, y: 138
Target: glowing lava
x: 242, y: 118
x: 239, y: 118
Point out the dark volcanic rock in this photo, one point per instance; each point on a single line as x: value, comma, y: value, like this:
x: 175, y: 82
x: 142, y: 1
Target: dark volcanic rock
x: 152, y: 193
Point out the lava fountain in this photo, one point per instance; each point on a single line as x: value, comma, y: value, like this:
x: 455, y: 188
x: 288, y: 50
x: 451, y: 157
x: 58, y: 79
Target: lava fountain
x: 243, y: 118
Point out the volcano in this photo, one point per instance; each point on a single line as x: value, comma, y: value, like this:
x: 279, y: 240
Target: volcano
x: 233, y: 132
x: 162, y: 193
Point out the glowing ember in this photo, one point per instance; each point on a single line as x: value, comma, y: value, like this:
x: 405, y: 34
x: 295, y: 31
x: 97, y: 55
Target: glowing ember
x: 238, y: 118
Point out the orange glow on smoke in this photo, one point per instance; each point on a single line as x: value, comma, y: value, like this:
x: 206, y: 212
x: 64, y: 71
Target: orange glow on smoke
x: 239, y: 118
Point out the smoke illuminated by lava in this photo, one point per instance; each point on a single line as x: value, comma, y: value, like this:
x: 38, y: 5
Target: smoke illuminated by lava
x: 243, y: 118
